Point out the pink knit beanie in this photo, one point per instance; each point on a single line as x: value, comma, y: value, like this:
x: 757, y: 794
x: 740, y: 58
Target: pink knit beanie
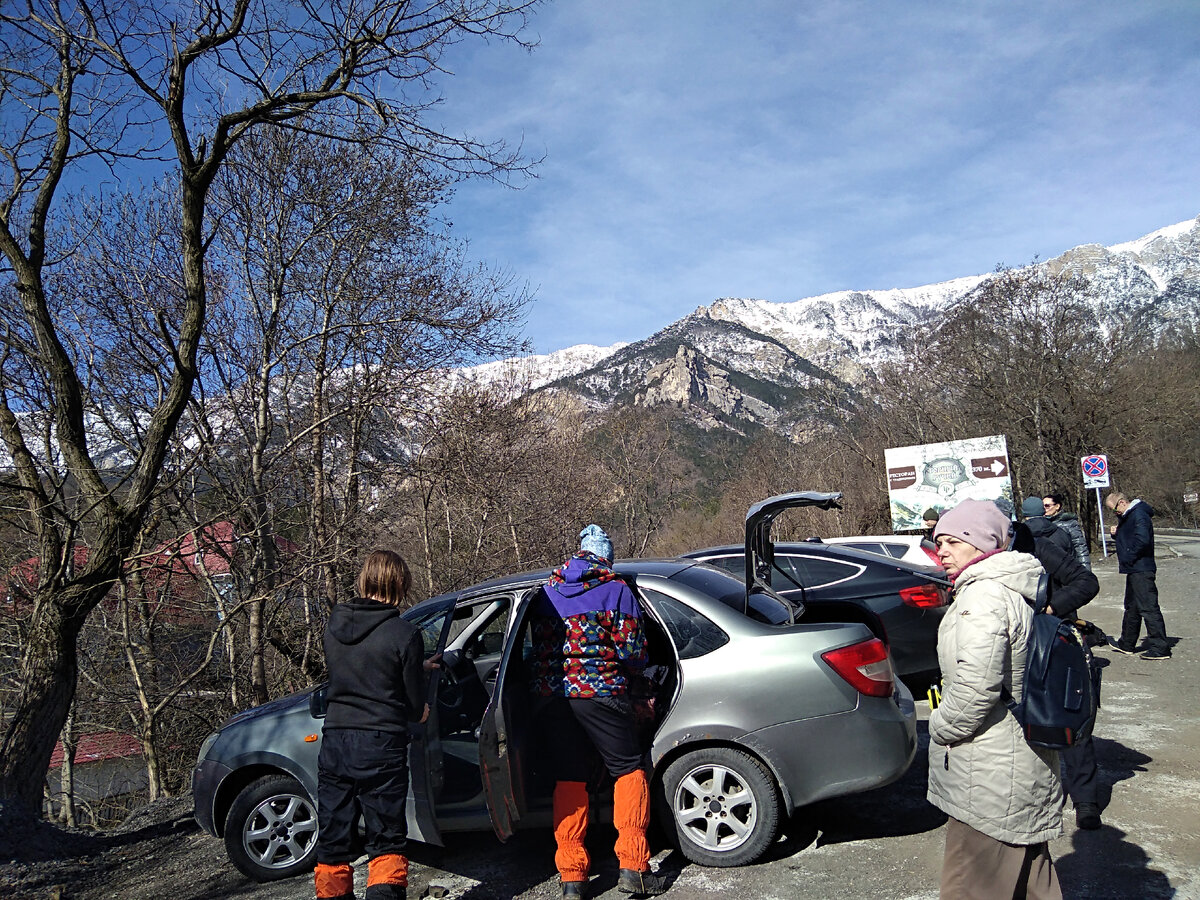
x: 978, y: 522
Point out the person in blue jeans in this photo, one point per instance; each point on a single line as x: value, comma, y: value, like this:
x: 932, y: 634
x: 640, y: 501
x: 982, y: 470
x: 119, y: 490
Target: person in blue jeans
x: 1134, y: 533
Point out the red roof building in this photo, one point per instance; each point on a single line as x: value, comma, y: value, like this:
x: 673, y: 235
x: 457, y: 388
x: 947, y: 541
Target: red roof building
x: 98, y: 746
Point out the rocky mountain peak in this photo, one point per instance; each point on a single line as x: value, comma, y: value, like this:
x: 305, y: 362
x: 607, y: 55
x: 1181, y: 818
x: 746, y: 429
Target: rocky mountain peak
x: 744, y: 363
x: 688, y: 380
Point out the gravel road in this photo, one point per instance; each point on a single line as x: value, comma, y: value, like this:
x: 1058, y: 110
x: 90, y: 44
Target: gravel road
x: 884, y: 844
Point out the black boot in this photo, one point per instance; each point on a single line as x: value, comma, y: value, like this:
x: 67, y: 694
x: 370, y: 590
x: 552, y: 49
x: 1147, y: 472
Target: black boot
x: 387, y: 892
x: 574, y: 890
x: 640, y: 884
x: 1087, y: 816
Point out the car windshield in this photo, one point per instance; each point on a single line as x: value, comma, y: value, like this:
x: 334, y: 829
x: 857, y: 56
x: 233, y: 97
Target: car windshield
x: 430, y: 618
x: 729, y: 590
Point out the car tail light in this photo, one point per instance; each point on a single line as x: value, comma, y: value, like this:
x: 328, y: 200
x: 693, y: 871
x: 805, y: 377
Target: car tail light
x: 924, y: 596
x: 932, y: 554
x: 865, y: 665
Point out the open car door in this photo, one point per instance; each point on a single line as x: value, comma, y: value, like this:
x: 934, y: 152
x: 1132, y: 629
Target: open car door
x: 425, y: 770
x: 760, y: 550
x: 502, y: 734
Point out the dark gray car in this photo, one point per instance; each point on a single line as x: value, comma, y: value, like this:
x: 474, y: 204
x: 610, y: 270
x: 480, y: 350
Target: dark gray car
x: 906, y: 601
x: 757, y: 706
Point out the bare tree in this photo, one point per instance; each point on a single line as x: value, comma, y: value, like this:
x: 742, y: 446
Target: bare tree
x: 341, y: 295
x: 644, y: 478
x: 85, y: 85
x: 495, y: 482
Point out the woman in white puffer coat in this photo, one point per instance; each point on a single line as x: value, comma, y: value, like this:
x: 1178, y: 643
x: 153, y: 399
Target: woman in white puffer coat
x: 1003, y: 796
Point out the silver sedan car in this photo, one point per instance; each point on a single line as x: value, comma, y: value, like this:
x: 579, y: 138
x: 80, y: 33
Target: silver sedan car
x: 753, y: 707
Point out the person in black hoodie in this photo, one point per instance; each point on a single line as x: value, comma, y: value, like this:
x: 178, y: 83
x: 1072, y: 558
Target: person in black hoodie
x: 1034, y: 513
x: 376, y: 689
x: 1071, y: 586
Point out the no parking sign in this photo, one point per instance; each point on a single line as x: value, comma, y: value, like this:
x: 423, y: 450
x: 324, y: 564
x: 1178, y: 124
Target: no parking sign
x: 1095, y: 471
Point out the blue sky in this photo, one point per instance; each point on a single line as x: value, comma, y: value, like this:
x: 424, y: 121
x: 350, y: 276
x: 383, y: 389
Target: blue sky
x: 779, y: 150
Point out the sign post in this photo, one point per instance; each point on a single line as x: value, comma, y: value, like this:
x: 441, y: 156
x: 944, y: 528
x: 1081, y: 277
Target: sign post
x: 1095, y: 475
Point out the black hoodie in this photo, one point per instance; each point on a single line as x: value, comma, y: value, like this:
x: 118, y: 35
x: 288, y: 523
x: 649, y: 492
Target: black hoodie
x: 1044, y: 529
x: 376, y: 681
x: 1071, y: 585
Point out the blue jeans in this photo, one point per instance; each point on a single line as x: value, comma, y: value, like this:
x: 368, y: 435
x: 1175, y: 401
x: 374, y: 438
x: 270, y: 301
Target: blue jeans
x: 1141, y: 604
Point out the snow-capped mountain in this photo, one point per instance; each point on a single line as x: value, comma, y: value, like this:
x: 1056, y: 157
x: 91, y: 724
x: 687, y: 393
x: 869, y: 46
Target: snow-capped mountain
x: 746, y: 363
x: 531, y: 372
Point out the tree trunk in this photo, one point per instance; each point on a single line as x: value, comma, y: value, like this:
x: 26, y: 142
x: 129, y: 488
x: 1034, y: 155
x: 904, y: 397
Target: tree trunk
x: 150, y: 752
x: 66, y: 783
x: 49, y: 667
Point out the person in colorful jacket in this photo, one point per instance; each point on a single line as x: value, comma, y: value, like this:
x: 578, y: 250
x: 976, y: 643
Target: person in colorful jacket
x: 1003, y: 795
x: 588, y: 645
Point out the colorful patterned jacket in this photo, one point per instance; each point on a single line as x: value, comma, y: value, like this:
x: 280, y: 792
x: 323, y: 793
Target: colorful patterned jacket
x: 587, y: 633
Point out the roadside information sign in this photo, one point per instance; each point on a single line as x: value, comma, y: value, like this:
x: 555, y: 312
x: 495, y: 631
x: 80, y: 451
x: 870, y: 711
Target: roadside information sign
x: 939, y: 476
x: 1095, y: 471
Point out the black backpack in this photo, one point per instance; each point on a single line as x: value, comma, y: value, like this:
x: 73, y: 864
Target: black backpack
x: 1062, y: 689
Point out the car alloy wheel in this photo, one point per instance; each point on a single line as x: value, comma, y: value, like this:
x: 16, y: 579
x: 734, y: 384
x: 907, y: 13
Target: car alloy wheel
x: 271, y: 830
x: 723, y: 805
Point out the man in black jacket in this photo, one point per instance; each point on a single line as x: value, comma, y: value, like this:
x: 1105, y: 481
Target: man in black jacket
x: 1135, y: 560
x: 1071, y: 586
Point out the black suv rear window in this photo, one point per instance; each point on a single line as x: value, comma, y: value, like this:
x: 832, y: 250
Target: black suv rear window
x: 730, y: 591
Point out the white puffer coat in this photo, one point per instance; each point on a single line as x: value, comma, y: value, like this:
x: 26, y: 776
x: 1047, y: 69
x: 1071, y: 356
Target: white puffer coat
x: 981, y: 769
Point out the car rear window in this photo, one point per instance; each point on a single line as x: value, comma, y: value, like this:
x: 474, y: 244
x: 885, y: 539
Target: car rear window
x: 816, y: 572
x: 730, y: 591
x: 893, y: 550
x: 692, y: 633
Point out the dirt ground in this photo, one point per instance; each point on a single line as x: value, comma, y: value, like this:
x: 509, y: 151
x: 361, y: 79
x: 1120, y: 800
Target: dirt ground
x: 884, y: 844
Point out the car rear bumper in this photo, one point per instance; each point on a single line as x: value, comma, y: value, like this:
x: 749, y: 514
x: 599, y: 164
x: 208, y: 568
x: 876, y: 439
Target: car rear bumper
x: 206, y: 779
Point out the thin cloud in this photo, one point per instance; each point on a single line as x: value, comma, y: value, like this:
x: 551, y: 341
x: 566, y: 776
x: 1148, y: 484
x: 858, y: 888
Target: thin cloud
x: 779, y: 150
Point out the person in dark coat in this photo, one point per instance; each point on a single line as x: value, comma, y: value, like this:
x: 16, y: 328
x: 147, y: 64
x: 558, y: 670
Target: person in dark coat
x: 588, y: 645
x: 1068, y: 522
x: 1071, y: 586
x: 376, y: 691
x: 1043, y: 529
x: 1134, y: 533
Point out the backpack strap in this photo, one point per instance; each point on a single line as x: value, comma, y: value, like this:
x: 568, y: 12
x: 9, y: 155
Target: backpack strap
x: 1013, y: 706
x: 1043, y: 593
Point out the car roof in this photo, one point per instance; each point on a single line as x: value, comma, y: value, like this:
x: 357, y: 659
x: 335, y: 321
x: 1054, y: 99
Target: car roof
x: 664, y: 567
x: 820, y: 548
x: 908, y: 540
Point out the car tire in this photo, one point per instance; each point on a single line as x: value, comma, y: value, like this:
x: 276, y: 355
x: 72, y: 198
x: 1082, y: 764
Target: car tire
x: 271, y: 829
x: 721, y: 806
